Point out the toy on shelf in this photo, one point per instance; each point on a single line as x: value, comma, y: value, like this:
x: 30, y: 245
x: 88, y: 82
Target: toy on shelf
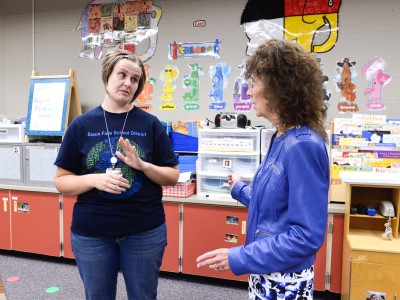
x: 388, y: 234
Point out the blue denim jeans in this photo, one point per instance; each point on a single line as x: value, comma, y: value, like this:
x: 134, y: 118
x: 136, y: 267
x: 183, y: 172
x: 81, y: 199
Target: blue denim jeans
x: 138, y: 257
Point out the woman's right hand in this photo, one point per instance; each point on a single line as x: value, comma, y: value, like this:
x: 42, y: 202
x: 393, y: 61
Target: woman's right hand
x: 233, y: 178
x: 111, y: 183
x: 69, y: 183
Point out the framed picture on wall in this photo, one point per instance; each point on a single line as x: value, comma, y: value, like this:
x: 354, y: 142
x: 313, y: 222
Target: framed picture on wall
x: 48, y: 106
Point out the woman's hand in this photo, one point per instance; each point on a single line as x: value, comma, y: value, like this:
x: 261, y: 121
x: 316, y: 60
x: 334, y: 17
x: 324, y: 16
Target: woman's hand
x: 132, y: 158
x: 69, y: 183
x: 162, y: 175
x: 111, y: 183
x: 232, y: 178
x: 216, y: 260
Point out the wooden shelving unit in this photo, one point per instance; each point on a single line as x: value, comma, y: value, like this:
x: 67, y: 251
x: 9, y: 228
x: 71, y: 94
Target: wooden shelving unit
x: 371, y: 263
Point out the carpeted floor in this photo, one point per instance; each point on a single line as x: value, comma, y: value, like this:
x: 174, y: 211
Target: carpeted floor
x: 36, y: 277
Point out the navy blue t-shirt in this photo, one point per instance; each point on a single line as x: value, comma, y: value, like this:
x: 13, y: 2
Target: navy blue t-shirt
x: 85, y: 149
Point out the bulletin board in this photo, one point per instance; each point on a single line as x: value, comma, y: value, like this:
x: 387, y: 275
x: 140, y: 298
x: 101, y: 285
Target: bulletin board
x: 53, y: 103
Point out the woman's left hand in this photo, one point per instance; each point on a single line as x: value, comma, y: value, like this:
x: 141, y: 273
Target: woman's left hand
x: 216, y: 260
x: 132, y: 158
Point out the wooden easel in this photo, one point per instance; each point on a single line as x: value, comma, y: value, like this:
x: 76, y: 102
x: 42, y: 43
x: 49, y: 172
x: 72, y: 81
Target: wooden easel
x: 74, y: 108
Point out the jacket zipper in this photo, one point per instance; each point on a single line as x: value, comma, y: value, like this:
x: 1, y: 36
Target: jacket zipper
x: 271, y: 164
x: 258, y: 231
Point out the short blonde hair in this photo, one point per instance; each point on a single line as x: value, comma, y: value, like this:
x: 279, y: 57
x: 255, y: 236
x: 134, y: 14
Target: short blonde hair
x: 112, y: 58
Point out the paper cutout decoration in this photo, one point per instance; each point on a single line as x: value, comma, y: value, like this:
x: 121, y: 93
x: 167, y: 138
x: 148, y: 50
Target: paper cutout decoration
x: 241, y: 101
x: 201, y: 49
x: 13, y: 278
x: 219, y: 74
x: 168, y: 76
x: 327, y: 93
x: 344, y: 80
x: 192, y: 82
x: 373, y: 73
x: 147, y: 93
x: 52, y: 290
x: 325, y: 79
x: 312, y: 23
x: 132, y: 25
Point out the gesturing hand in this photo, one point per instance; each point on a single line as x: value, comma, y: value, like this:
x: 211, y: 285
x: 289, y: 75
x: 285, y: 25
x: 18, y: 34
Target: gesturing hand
x: 232, y: 178
x: 216, y: 260
x: 132, y: 158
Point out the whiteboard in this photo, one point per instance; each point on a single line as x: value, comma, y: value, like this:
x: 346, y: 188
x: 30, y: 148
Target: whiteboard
x: 48, y: 106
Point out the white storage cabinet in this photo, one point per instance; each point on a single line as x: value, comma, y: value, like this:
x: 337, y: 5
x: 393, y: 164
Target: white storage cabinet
x: 225, y: 151
x: 266, y: 136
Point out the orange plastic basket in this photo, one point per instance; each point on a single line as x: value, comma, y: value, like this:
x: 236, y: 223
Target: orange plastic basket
x: 181, y: 190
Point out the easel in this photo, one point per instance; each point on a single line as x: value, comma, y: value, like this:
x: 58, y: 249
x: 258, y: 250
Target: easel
x: 73, y: 106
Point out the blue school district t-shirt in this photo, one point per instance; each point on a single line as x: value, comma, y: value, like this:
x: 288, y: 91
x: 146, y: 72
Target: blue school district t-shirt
x: 85, y: 149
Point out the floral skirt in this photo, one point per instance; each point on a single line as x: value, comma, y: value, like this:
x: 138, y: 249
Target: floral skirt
x: 282, y: 286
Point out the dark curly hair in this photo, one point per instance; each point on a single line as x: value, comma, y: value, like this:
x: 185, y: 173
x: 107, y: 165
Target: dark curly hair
x: 292, y: 82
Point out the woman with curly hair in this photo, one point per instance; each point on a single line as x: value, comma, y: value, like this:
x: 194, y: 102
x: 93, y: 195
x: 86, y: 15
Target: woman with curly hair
x: 288, y: 199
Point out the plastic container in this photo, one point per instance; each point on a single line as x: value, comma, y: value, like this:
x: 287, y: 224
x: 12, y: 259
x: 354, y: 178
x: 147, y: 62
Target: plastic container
x: 225, y: 163
x: 14, y: 133
x: 184, y: 142
x: 181, y: 190
x: 229, y: 140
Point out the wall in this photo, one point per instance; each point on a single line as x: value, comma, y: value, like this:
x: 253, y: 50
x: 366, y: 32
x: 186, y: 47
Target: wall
x: 2, y: 68
x: 367, y: 29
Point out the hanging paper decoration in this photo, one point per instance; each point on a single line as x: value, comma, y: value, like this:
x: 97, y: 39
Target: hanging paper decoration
x: 192, y: 82
x: 241, y: 101
x: 168, y: 76
x: 132, y: 25
x: 327, y: 93
x: 203, y: 49
x: 312, y: 23
x: 344, y: 80
x: 147, y: 93
x: 373, y: 73
x: 325, y: 78
x: 219, y: 76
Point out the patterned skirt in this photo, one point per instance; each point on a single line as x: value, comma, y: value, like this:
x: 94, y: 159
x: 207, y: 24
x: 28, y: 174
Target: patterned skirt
x: 282, y: 286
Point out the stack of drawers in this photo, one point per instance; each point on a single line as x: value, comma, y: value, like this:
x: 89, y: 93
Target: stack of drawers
x: 225, y: 151
x: 266, y: 136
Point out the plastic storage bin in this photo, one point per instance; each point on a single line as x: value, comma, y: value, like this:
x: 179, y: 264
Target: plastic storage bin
x: 13, y: 133
x: 229, y: 140
x: 224, y: 163
x: 223, y: 151
x: 184, y: 142
x: 187, y: 163
x: 181, y: 190
x: 209, y: 185
x: 266, y: 135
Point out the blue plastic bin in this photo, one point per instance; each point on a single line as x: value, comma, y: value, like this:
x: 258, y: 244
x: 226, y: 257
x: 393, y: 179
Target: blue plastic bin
x: 184, y: 142
x: 187, y: 163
